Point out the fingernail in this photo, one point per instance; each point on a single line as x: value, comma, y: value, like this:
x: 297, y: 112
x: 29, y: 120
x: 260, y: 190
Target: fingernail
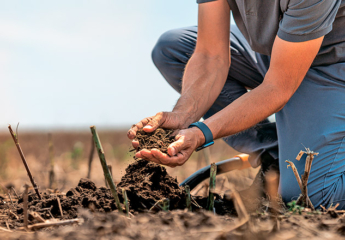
x: 173, y: 152
x: 148, y: 127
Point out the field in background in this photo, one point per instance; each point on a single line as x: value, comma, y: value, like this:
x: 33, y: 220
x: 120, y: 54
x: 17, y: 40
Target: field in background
x: 71, y: 151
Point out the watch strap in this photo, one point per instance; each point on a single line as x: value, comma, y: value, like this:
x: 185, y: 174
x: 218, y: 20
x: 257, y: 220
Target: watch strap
x: 207, y: 134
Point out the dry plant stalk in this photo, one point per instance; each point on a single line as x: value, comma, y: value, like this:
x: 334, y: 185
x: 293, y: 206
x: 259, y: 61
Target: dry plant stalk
x: 294, y: 169
x: 14, y: 215
x: 111, y: 173
x: 59, y: 203
x: 304, y: 198
x: 25, y: 203
x: 92, y: 150
x: 54, y: 224
x: 15, y: 193
x: 163, y: 204
x: 212, y: 188
x: 272, y: 183
x: 37, y: 217
x: 15, y: 139
x: 242, y: 213
x: 51, y: 160
x: 188, y: 198
x: 5, y: 230
x: 106, y: 171
x: 125, y: 201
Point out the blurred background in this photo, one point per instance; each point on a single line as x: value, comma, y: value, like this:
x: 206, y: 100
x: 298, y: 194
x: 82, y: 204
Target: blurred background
x: 71, y: 64
x: 66, y: 65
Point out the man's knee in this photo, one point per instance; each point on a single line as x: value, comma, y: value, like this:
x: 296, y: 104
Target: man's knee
x: 163, y: 47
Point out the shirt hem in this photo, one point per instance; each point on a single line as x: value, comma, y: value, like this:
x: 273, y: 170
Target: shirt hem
x: 302, y: 38
x: 204, y: 1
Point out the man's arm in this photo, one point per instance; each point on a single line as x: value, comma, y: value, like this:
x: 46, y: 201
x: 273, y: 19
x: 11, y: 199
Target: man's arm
x: 289, y: 65
x: 205, y: 73
x: 207, y: 70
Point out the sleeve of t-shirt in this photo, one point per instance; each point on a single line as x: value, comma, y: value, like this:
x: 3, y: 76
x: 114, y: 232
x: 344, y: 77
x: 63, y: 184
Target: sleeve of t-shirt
x: 204, y: 1
x: 306, y: 20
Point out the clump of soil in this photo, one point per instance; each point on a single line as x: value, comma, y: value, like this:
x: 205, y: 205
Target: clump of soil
x: 86, y: 194
x: 159, y: 139
x: 147, y: 182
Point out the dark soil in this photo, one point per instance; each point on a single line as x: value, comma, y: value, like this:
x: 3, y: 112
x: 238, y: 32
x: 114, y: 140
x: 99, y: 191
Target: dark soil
x: 147, y: 182
x: 159, y: 139
x: 183, y: 225
x: 86, y: 194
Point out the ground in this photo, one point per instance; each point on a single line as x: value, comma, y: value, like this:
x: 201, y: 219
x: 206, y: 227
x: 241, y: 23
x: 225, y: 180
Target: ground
x: 90, y: 202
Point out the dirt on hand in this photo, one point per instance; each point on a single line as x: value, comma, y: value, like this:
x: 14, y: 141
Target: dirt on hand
x: 159, y: 139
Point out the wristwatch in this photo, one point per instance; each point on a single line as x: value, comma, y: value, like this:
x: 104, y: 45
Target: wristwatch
x: 207, y: 133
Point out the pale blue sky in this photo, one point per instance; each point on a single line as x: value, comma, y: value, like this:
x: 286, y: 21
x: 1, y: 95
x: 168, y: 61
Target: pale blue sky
x: 71, y: 64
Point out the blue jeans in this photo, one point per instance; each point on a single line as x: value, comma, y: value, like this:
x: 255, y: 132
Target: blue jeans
x: 314, y: 116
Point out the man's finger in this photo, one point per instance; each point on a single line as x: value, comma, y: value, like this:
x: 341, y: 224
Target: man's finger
x: 133, y: 131
x: 135, y: 144
x: 162, y: 157
x: 155, y: 122
x: 177, y: 146
x: 147, y: 155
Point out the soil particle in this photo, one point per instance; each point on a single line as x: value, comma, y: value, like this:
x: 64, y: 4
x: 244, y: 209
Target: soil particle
x: 159, y: 139
x: 147, y: 182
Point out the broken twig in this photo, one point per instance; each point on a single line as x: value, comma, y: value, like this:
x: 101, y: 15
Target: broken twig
x: 15, y: 139
x: 106, y: 171
x: 212, y: 188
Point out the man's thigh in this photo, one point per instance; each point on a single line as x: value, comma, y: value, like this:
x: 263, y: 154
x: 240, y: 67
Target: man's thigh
x: 175, y: 47
x: 315, y: 118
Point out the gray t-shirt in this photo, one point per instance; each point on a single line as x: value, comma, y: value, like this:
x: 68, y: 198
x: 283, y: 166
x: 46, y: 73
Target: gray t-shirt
x: 294, y: 21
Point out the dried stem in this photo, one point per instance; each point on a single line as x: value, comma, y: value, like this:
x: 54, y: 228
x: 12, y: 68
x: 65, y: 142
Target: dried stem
x: 125, y: 201
x: 239, y: 206
x: 9, y: 194
x: 5, y: 230
x: 111, y: 173
x: 51, y: 160
x: 37, y: 217
x: 304, y: 197
x: 212, y: 188
x: 25, y: 203
x: 92, y: 150
x: 52, y: 224
x: 272, y: 182
x: 15, y: 139
x: 14, y: 215
x: 15, y: 193
x: 188, y: 198
x: 59, y: 203
x: 106, y: 171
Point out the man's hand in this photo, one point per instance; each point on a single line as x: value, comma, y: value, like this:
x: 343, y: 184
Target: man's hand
x: 169, y: 120
x: 179, y: 151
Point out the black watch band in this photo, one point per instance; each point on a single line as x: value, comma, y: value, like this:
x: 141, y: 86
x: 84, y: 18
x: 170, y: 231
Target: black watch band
x: 207, y: 133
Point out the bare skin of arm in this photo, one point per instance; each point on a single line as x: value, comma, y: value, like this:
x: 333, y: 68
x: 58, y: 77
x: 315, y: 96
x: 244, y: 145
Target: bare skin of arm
x: 205, y: 73
x: 289, y: 65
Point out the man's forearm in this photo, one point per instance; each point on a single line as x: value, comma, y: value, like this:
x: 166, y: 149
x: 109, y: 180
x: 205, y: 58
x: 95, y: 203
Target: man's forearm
x: 202, y: 82
x: 248, y: 110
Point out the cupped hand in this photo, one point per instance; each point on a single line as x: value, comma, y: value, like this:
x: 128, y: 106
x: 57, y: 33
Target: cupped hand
x: 179, y: 151
x: 169, y: 120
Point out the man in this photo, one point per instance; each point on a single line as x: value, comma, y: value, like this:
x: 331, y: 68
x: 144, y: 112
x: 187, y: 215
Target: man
x: 291, y: 53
